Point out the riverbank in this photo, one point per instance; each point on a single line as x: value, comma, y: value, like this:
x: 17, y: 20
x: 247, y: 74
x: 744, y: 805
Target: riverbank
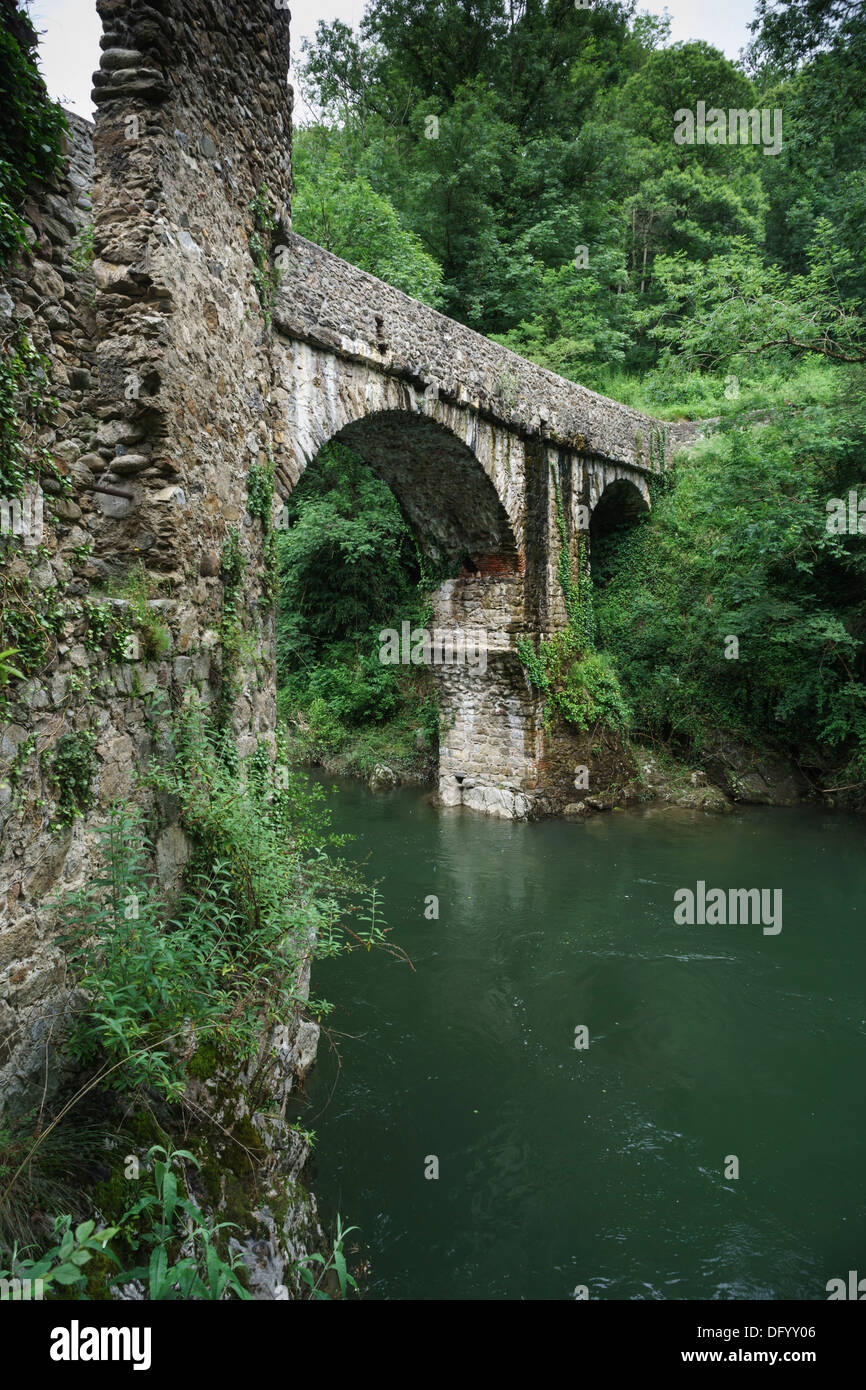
x: 733, y: 772
x: 399, y: 752
x: 157, y: 1133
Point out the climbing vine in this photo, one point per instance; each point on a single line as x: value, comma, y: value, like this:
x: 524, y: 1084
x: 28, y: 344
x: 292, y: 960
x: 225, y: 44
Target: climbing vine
x: 31, y: 621
x: 266, y: 277
x: 658, y: 444
x: 576, y: 679
x: 83, y: 253
x: 126, y: 628
x: 260, y: 500
x: 32, y: 128
x: 71, y: 766
x: 232, y: 567
x: 25, y: 406
x: 31, y: 135
x: 260, y: 491
x: 83, y: 250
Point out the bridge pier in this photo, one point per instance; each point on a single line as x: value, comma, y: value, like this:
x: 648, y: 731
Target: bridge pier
x: 489, y: 718
x: 496, y: 754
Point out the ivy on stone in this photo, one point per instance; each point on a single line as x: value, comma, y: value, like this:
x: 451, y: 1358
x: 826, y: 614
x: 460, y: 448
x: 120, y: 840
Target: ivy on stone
x: 32, y: 128
x: 71, y: 766
x: 232, y: 568
x: 577, y: 681
x: 266, y: 277
x: 260, y: 501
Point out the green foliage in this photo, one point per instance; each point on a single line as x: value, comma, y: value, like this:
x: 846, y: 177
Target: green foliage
x: 109, y: 625
x: 349, y: 566
x: 83, y: 253
x: 675, y: 392
x: 178, y: 1242
x: 31, y: 135
x: 260, y: 500
x: 161, y: 981
x: 25, y: 408
x: 658, y: 443
x: 739, y: 304
x: 335, y: 1261
x: 32, y: 128
x: 819, y: 173
x: 269, y: 830
x: 232, y: 565
x: 740, y: 546
x: 787, y: 31
x: 677, y: 76
x: 347, y: 560
x: 510, y: 140
x: 180, y: 1247
x: 43, y: 1170
x: 154, y: 637
x: 30, y: 624
x: 407, y: 743
x: 580, y: 685
x: 101, y: 620
x: 9, y: 672
x: 372, y: 916
x: 343, y: 213
x: 261, y: 207
x: 505, y: 137
x: 64, y: 1264
x: 83, y: 249
x: 71, y: 766
x: 232, y: 569
x: 365, y: 692
x: 149, y: 973
x: 266, y: 277
x: 576, y: 322
x: 555, y: 132
x: 578, y: 682
x: 260, y: 491
x: 254, y: 838
x: 222, y: 961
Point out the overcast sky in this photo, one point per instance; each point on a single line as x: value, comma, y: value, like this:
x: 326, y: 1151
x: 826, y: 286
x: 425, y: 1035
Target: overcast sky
x: 70, y: 44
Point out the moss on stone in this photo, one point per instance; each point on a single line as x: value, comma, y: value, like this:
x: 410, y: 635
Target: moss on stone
x: 205, y: 1062
x: 143, y: 1126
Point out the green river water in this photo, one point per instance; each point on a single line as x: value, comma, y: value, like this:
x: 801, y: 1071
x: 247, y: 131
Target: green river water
x: 604, y: 1166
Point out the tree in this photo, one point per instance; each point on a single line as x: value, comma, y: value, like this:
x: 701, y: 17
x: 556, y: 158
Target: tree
x: 344, y: 559
x: 737, y: 303
x: 345, y: 215
x: 32, y: 126
x: 677, y: 78
x: 787, y: 32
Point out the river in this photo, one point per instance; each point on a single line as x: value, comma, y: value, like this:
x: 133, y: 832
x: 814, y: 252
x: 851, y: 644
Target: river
x: 600, y: 1167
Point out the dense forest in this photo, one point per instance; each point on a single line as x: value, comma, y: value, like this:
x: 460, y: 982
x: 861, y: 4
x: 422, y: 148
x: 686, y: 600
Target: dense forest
x: 515, y: 166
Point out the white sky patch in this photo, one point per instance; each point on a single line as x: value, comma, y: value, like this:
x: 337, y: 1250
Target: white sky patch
x: 69, y: 48
x: 725, y: 25
x: 69, y: 31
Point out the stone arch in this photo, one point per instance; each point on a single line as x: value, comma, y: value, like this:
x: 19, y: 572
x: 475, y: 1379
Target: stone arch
x: 461, y: 468
x: 621, y: 502
x: 445, y: 495
x: 447, y: 491
x: 620, y: 507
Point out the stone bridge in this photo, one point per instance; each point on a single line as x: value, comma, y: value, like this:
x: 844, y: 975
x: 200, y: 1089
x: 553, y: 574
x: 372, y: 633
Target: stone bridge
x: 174, y: 382
x: 474, y: 442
